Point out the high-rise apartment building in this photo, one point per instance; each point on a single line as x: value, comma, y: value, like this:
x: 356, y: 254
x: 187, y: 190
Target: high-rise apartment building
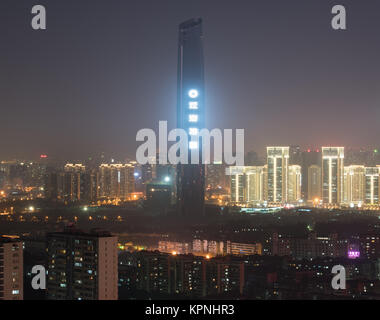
x: 277, y: 161
x: 309, y: 158
x: 216, y: 175
x: 82, y: 266
x: 237, y: 184
x: 354, y: 185
x: 246, y: 184
x: 314, y: 183
x: 74, y: 167
x: 11, y: 268
x: 116, y: 180
x: 294, y: 183
x: 372, y: 185
x: 332, y: 175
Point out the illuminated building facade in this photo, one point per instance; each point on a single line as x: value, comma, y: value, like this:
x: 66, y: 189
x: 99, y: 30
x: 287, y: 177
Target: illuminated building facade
x: 216, y: 175
x: 294, y: 183
x: 212, y: 247
x: 191, y: 116
x: 225, y: 275
x: 74, y: 167
x: 174, y: 247
x: 354, y: 185
x: 158, y: 196
x: 69, y: 183
x: 238, y: 184
x: 372, y: 185
x: 82, y: 266
x: 11, y: 269
x: 116, y: 180
x: 277, y: 161
x: 255, y: 184
x: 246, y: 184
x: 314, y: 183
x: 242, y: 249
x: 310, y: 158
x: 332, y: 175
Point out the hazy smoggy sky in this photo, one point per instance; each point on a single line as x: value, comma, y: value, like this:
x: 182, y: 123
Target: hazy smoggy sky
x: 105, y: 69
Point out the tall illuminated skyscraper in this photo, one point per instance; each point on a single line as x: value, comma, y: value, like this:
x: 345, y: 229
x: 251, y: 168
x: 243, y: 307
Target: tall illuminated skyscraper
x: 278, y: 162
x: 332, y: 174
x: 11, y: 268
x: 354, y: 184
x: 314, y: 188
x: 237, y: 184
x: 190, y: 115
x: 372, y: 185
x: 82, y: 266
x: 246, y: 184
x: 116, y: 180
x: 294, y: 183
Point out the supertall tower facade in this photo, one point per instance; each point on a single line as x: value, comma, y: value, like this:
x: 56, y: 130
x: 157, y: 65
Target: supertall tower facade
x: 191, y: 116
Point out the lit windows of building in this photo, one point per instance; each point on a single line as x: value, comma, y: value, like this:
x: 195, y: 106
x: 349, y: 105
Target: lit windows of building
x: 278, y: 162
x: 332, y: 175
x: 11, y: 268
x: 314, y: 187
x: 246, y: 184
x: 354, y: 185
x: 117, y: 180
x: 294, y: 183
x: 82, y: 266
x: 372, y: 185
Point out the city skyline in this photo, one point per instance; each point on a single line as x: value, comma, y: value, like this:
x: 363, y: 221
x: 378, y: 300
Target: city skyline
x: 305, y: 89
x: 267, y: 189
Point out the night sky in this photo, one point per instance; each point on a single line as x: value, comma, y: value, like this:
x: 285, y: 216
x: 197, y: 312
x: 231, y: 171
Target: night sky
x: 105, y: 69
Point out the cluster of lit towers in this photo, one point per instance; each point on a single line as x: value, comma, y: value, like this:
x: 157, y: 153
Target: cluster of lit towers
x: 332, y: 184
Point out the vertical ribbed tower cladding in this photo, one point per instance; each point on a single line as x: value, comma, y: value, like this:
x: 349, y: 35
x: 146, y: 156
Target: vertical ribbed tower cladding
x: 191, y: 115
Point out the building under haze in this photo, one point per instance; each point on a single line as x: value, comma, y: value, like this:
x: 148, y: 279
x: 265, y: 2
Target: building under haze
x: 11, y: 268
x: 332, y: 175
x: 246, y: 184
x: 191, y: 115
x: 116, y: 180
x: 314, y: 188
x: 354, y: 185
x: 82, y: 266
x: 294, y: 183
x: 372, y: 185
x: 278, y: 162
